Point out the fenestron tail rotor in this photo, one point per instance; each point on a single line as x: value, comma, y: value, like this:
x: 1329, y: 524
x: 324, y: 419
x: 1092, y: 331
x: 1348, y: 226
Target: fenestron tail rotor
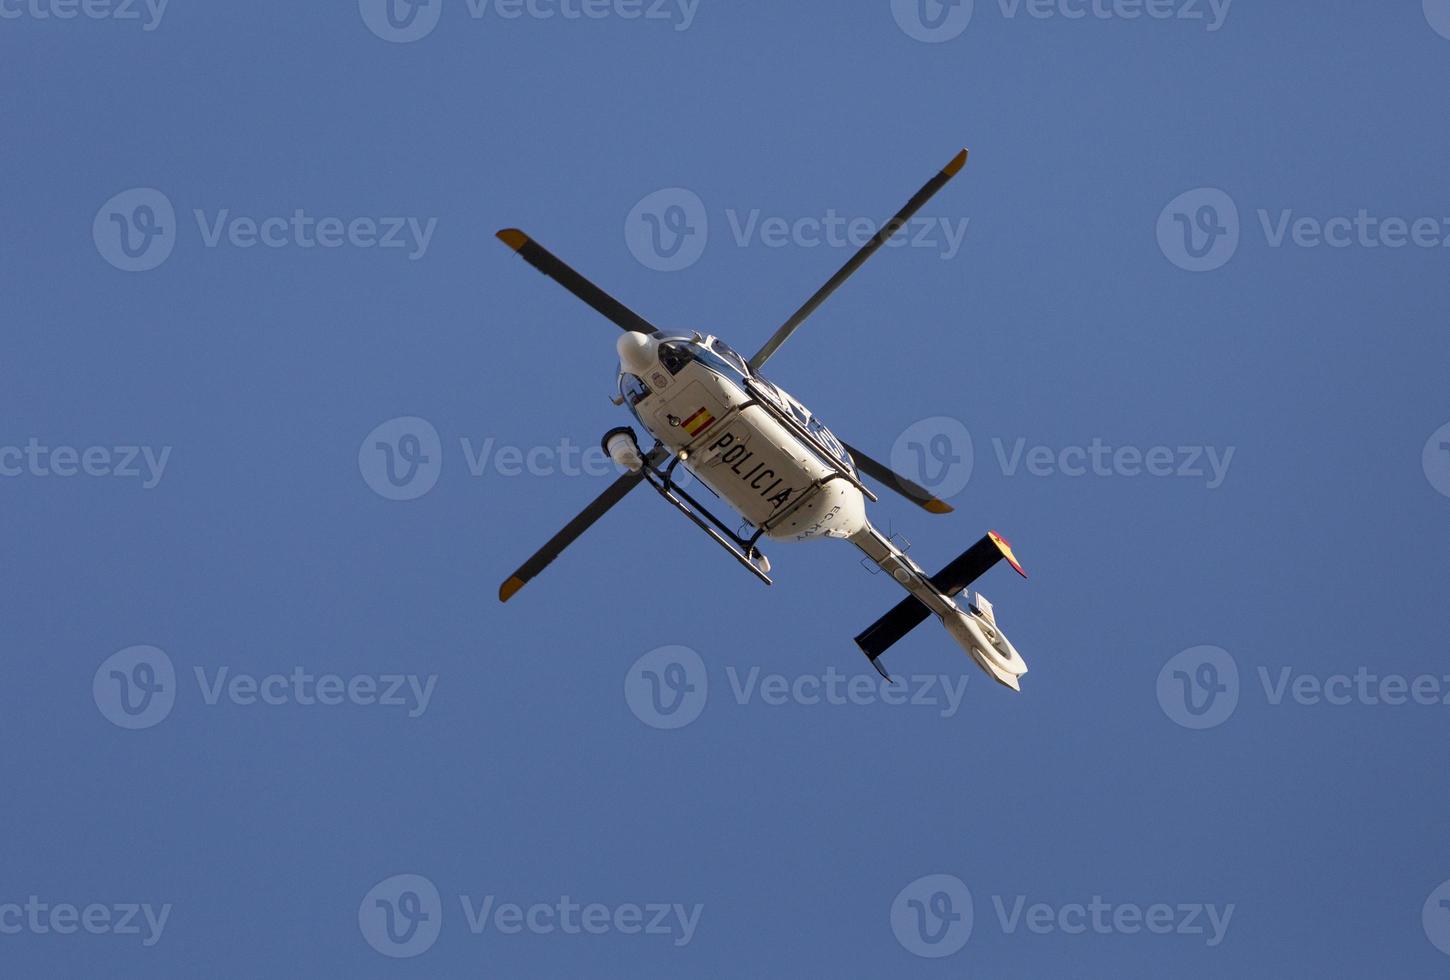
x: 556, y: 269
x: 881, y: 237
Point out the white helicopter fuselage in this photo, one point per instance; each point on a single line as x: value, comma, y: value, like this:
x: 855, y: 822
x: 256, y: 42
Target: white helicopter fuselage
x: 765, y: 455
x: 696, y: 403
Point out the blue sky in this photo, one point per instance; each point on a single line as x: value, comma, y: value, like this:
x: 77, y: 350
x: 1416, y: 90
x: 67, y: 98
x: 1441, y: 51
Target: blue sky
x: 1177, y: 331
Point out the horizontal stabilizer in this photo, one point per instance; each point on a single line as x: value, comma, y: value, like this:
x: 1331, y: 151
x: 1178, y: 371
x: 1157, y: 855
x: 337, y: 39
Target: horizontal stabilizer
x: 911, y: 612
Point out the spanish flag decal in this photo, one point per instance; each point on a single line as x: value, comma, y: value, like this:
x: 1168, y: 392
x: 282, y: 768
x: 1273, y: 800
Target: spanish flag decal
x: 698, y: 422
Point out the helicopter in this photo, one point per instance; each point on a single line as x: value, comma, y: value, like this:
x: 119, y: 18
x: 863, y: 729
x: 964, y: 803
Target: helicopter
x: 706, y: 408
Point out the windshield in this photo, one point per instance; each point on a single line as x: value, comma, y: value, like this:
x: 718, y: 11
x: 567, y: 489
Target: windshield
x: 632, y: 388
x: 728, y: 352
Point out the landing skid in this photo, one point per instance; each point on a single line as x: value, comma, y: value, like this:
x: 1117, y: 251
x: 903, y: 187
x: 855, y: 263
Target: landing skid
x: 660, y: 475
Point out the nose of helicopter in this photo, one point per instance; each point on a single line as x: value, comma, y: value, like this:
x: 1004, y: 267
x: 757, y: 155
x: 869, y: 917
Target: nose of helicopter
x: 637, y: 351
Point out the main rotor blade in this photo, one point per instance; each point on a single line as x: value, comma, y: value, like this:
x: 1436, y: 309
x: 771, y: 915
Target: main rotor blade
x: 885, y: 476
x: 556, y: 269
x: 572, y: 530
x: 890, y: 228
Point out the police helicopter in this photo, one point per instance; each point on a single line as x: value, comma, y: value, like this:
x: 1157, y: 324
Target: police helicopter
x: 704, y: 407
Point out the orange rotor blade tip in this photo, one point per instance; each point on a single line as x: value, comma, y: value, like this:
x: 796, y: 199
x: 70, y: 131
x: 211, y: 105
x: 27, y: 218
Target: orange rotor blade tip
x: 1005, y: 546
x: 513, y: 238
x: 507, y: 590
x: 958, y: 162
x: 938, y: 507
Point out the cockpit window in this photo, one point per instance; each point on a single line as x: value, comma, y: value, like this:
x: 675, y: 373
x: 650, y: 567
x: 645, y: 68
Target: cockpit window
x: 676, y: 354
x: 633, y: 389
x: 728, y: 352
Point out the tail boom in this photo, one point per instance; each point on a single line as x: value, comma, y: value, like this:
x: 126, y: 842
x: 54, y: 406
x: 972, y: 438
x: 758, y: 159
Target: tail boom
x: 974, y: 628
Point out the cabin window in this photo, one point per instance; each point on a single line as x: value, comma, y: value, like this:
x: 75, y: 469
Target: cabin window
x: 829, y: 440
x: 633, y: 389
